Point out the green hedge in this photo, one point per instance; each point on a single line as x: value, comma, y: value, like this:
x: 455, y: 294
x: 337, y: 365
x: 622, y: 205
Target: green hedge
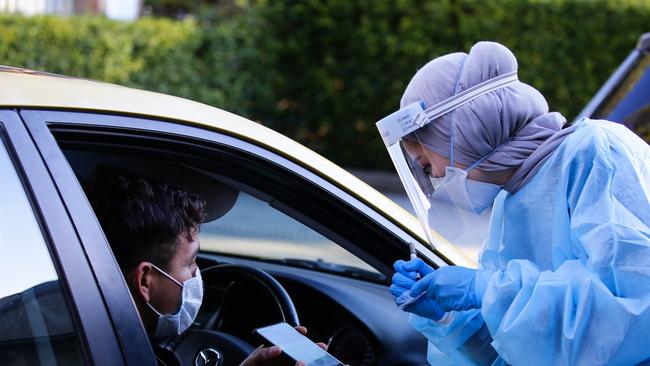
x: 153, y: 54
x: 173, y: 57
x: 343, y: 65
x: 324, y: 72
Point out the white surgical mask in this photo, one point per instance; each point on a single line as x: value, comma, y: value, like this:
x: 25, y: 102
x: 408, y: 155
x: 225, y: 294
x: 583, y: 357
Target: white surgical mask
x: 192, y: 296
x: 436, y: 181
x: 468, y: 194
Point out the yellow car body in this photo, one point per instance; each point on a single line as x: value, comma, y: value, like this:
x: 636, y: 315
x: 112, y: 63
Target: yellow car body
x: 33, y: 89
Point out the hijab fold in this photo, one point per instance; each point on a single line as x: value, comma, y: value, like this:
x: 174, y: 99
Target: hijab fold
x: 509, y: 125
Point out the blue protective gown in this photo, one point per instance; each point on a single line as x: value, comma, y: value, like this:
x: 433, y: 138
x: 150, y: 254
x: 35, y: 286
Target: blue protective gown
x: 571, y: 254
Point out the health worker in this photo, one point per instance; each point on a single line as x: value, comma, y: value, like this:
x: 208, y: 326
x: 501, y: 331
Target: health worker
x: 564, y: 272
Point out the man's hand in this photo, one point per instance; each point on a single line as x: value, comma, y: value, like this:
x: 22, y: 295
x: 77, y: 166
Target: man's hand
x: 270, y: 356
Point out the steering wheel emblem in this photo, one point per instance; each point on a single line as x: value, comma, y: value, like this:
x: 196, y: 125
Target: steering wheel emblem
x: 208, y: 357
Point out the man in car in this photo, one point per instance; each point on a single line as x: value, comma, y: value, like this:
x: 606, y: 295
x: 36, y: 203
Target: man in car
x: 153, y: 231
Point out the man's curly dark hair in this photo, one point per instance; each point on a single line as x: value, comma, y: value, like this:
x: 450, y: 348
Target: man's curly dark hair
x: 142, y: 220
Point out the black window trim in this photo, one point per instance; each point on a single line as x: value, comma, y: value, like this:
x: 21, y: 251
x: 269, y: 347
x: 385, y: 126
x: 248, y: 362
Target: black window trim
x: 91, y: 321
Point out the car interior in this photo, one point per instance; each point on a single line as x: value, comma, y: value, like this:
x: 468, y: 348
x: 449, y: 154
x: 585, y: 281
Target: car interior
x: 255, y: 274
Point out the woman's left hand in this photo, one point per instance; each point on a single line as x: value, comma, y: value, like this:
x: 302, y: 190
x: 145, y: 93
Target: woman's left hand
x: 454, y: 287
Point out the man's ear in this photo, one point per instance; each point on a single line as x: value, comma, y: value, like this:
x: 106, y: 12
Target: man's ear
x: 141, y: 281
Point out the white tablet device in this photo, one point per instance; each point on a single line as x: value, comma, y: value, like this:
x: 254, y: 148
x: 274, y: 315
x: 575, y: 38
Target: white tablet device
x: 296, y: 346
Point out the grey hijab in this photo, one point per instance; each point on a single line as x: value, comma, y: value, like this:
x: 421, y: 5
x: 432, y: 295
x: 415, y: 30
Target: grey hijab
x: 507, y: 125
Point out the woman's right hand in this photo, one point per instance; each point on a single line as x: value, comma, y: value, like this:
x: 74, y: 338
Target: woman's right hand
x: 405, y: 276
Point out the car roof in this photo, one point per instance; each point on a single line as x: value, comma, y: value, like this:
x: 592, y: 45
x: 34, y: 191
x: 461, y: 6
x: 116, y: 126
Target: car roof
x: 22, y: 88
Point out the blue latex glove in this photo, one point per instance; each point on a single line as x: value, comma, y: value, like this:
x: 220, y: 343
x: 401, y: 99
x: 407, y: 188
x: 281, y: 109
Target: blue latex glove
x: 413, y: 267
x: 454, y: 287
x: 404, y: 279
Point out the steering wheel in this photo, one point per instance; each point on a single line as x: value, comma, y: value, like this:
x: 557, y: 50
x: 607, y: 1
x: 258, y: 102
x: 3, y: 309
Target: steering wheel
x: 220, y: 343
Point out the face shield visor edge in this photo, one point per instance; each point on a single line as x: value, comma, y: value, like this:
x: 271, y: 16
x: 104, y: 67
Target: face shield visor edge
x: 443, y: 204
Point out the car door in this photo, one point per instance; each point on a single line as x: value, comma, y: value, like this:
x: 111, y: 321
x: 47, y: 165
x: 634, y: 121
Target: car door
x: 51, y: 309
x: 625, y: 97
x: 267, y: 176
x: 160, y: 135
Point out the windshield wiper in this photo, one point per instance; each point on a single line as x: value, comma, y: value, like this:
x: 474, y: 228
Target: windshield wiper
x: 341, y: 269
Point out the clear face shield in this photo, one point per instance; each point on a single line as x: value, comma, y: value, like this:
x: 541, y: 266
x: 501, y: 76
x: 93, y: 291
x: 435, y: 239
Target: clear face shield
x: 449, y: 206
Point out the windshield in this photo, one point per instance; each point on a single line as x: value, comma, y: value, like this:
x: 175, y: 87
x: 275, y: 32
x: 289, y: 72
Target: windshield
x: 629, y: 101
x: 253, y: 228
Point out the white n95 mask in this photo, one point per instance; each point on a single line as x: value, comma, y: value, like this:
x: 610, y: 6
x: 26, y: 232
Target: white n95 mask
x: 192, y: 297
x: 459, y: 209
x: 468, y: 194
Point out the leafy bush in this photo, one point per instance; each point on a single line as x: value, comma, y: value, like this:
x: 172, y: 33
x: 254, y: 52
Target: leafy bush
x: 342, y: 65
x: 211, y: 65
x: 325, y: 72
x: 144, y: 54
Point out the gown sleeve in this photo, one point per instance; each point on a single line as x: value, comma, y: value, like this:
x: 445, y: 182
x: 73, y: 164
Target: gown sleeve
x: 459, y: 338
x: 593, y: 308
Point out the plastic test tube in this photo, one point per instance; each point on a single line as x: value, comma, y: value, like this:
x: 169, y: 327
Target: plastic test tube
x: 413, y: 255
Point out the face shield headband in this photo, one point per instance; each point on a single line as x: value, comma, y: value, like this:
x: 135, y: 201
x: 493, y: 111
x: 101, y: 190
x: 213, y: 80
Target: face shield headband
x: 413, y: 117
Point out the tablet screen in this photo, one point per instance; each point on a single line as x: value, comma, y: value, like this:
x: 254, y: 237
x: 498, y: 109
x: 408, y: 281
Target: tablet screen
x: 297, y: 346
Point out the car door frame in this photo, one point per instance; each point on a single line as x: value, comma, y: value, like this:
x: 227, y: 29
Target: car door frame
x: 130, y: 333
x: 92, y: 323
x: 619, y: 75
x: 38, y: 120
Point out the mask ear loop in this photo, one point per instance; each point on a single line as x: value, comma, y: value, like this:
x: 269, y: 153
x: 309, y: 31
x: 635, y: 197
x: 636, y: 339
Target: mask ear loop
x: 479, y: 161
x: 452, y: 135
x: 171, y: 278
x: 167, y: 275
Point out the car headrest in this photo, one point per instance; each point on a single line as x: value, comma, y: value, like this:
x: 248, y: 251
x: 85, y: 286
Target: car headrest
x: 219, y: 197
